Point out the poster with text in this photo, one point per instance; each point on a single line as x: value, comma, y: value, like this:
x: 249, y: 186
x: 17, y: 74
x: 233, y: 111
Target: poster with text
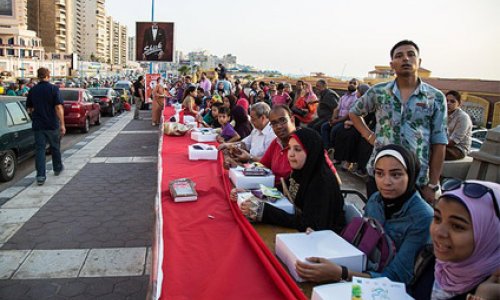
x: 154, y: 41
x: 150, y: 83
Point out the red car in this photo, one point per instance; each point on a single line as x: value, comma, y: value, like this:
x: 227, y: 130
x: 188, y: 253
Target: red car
x: 80, y: 109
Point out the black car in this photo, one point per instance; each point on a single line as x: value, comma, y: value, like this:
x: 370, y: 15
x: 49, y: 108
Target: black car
x: 108, y: 99
x: 17, y: 142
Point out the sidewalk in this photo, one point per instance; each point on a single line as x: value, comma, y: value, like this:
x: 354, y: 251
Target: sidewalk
x: 87, y: 233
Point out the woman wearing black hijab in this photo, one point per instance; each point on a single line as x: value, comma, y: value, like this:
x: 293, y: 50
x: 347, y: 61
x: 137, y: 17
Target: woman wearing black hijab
x: 399, y: 207
x: 313, y: 188
x: 241, y: 123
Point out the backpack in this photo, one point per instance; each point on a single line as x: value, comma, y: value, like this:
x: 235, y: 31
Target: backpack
x: 368, y: 235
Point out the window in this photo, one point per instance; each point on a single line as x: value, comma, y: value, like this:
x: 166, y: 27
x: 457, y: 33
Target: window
x: 16, y: 113
x: 11, y: 41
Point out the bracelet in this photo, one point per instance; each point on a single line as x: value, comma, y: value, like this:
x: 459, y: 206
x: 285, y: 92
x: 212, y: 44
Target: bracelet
x: 369, y: 136
x: 345, y: 273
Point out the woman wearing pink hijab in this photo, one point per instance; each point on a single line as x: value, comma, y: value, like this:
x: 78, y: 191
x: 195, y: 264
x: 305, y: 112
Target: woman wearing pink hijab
x: 243, y: 103
x: 465, y: 242
x: 305, y: 107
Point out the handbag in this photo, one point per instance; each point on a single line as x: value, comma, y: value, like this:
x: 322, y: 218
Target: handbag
x: 175, y: 129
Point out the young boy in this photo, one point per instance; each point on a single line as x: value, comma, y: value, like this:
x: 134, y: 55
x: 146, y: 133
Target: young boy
x: 228, y: 134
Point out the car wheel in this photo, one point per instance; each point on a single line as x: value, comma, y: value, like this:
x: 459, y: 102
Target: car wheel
x: 98, y: 121
x: 86, y: 127
x: 8, y: 166
x: 112, y: 112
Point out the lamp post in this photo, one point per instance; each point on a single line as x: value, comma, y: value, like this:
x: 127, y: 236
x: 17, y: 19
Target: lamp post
x: 152, y: 20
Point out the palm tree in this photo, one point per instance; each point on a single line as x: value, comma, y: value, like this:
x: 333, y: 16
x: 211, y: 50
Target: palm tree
x: 184, y: 70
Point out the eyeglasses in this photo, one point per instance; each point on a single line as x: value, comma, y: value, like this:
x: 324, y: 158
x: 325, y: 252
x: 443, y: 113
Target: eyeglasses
x: 471, y: 189
x: 280, y: 121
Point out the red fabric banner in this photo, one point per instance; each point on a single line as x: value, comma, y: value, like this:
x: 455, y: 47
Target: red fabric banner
x: 210, y: 250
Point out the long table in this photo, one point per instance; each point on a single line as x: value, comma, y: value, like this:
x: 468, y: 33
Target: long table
x: 206, y: 249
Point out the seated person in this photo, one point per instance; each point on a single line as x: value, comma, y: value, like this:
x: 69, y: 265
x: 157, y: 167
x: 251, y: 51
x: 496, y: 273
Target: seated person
x: 313, y: 189
x: 189, y: 103
x: 227, y: 134
x: 256, y: 144
x: 210, y: 119
x: 348, y: 141
x: 405, y: 215
x: 464, y: 234
x: 306, y: 106
x: 459, y: 128
x: 242, y: 124
x: 275, y: 158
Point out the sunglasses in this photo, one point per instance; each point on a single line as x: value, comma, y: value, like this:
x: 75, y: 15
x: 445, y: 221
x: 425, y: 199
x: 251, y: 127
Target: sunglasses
x: 471, y: 189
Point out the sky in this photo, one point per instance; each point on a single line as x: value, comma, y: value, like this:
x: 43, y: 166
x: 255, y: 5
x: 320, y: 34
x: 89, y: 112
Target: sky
x: 457, y: 38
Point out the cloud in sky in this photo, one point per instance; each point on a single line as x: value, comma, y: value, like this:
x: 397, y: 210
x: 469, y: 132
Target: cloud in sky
x: 458, y: 38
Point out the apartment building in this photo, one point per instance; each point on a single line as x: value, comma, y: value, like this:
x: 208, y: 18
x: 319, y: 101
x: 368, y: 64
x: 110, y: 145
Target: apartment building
x: 90, y: 27
x: 52, y: 20
x: 131, y: 48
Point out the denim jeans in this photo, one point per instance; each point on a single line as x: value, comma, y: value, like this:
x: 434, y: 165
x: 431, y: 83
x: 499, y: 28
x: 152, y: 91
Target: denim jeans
x: 42, y: 137
x: 325, y: 134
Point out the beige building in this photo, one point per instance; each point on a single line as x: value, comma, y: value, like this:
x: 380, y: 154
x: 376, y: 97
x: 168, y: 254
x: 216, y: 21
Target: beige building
x: 91, y: 30
x: 52, y: 20
x: 131, y: 48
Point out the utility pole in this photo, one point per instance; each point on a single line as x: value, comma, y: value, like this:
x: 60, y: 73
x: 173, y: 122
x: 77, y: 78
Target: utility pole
x: 152, y: 20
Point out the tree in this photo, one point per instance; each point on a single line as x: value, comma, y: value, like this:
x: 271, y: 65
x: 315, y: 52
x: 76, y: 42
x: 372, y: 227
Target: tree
x: 184, y: 70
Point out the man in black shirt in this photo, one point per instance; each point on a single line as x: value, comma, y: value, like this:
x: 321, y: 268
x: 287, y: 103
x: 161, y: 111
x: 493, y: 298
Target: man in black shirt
x: 138, y: 95
x: 46, y: 106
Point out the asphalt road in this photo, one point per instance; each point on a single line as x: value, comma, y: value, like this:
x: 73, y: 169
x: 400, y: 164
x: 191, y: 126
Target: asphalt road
x: 72, y: 137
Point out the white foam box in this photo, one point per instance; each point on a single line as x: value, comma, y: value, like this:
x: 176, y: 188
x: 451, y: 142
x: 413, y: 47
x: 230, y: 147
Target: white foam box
x: 333, y: 291
x: 209, y: 152
x: 203, y: 135
x: 282, y: 203
x: 291, y: 247
x: 241, y: 181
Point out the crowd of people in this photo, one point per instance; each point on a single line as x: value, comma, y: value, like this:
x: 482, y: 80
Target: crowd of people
x: 397, y: 136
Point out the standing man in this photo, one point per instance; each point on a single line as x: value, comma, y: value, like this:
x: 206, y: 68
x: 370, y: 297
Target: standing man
x: 46, y: 107
x: 409, y: 112
x: 205, y: 84
x: 328, y: 101
x: 138, y: 95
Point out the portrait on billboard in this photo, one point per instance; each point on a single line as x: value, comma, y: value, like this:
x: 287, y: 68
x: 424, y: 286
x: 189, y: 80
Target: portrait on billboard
x: 155, y: 41
x: 7, y: 8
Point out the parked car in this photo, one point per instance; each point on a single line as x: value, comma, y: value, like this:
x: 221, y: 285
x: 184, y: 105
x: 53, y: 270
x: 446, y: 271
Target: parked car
x: 109, y: 101
x: 123, y: 84
x: 80, y: 109
x: 124, y: 95
x: 17, y: 141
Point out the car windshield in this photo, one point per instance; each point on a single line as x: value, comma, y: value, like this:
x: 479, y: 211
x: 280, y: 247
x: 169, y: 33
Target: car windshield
x: 98, y: 92
x: 69, y: 95
x: 122, y: 86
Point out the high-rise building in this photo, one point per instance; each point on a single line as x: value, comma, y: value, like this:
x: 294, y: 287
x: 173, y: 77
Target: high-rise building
x: 109, y: 39
x: 131, y: 48
x: 52, y: 20
x: 90, y: 28
x: 123, y: 45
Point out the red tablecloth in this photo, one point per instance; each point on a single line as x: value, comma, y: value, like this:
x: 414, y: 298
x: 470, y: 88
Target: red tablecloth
x: 210, y: 250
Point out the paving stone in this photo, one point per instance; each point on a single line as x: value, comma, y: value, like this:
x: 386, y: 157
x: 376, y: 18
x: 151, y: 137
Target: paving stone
x: 52, y: 264
x: 10, y: 260
x: 136, y: 145
x: 156, y: 131
x: 20, y: 215
x: 114, y: 262
x: 87, y: 206
x: 11, y: 192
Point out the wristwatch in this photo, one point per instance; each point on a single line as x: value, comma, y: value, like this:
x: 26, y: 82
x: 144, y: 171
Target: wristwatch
x: 345, y: 273
x: 434, y: 187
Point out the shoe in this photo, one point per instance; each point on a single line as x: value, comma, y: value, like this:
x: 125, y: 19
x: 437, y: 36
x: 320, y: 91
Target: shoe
x: 40, y: 181
x: 56, y: 173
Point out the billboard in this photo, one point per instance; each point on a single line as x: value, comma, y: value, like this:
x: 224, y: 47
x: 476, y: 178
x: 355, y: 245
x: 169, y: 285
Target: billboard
x: 6, y: 8
x: 154, y: 41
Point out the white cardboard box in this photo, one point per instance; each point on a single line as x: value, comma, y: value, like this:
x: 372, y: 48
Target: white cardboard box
x: 203, y: 135
x: 209, y: 152
x: 282, y: 203
x: 333, y: 291
x: 291, y: 247
x: 241, y: 181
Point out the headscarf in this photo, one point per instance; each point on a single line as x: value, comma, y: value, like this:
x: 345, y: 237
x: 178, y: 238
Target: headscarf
x: 463, y: 276
x: 317, y: 181
x: 310, y: 96
x: 412, y: 168
x: 242, y: 125
x: 243, y: 103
